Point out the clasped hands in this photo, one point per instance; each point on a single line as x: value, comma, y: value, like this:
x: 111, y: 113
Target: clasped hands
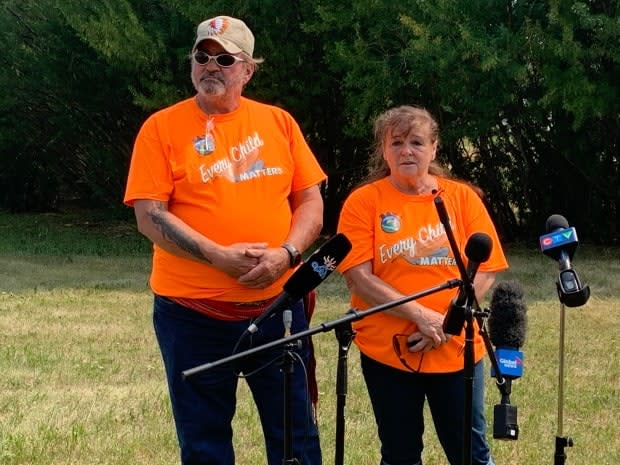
x: 430, y: 333
x: 254, y: 265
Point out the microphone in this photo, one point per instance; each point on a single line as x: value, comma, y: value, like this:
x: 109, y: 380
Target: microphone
x: 477, y: 251
x: 309, y: 275
x: 287, y: 319
x: 560, y: 243
x: 507, y: 329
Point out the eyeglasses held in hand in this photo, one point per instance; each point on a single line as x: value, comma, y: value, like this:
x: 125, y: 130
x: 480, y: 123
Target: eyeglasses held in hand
x: 224, y: 60
x: 399, y: 343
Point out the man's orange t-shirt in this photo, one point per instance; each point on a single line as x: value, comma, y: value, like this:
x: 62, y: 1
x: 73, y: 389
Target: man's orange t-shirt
x: 403, y: 238
x: 236, y: 193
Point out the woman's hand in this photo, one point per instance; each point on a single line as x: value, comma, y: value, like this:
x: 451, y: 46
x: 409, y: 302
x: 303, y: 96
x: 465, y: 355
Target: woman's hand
x: 430, y: 325
x: 419, y: 342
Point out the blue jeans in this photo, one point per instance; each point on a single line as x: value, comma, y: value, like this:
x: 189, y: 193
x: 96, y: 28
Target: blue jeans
x: 204, y: 404
x: 398, y: 398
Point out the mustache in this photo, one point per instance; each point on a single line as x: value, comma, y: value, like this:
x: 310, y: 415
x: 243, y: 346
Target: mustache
x: 212, y: 75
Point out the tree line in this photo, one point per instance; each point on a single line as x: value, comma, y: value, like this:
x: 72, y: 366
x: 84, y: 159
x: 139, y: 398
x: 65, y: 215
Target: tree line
x: 526, y: 93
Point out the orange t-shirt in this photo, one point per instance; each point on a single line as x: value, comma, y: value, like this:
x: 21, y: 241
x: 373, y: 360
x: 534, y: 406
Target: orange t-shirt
x: 408, y: 247
x: 236, y: 193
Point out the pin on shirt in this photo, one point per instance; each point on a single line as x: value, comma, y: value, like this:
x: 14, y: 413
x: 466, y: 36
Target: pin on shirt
x: 209, y: 139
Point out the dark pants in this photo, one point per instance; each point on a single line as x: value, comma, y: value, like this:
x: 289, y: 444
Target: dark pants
x: 398, y: 398
x: 204, y: 404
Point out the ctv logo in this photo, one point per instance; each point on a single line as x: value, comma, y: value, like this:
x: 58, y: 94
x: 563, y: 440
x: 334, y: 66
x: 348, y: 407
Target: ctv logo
x: 558, y: 238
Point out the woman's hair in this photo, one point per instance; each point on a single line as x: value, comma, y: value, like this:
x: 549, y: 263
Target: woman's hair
x: 399, y: 121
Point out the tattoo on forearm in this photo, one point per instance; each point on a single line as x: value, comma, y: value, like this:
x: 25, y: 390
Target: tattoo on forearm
x: 173, y: 234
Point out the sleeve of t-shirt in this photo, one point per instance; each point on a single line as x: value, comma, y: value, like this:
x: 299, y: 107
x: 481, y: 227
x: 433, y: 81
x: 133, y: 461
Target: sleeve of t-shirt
x: 150, y: 175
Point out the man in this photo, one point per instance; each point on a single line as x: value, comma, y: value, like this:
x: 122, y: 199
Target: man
x: 227, y: 190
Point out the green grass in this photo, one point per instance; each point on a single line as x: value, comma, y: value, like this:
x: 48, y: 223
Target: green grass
x: 82, y: 381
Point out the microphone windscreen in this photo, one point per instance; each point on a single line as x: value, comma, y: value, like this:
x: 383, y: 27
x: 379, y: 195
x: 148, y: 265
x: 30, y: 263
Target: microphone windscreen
x: 555, y: 222
x: 508, y: 318
x: 318, y: 266
x: 478, y: 247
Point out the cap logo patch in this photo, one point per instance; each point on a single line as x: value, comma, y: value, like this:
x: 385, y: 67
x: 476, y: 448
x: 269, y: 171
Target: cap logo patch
x: 217, y: 26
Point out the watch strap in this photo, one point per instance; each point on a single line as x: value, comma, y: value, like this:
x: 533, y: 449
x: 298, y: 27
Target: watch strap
x: 293, y: 254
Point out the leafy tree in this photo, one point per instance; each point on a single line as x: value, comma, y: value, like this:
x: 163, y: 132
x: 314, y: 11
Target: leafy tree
x: 522, y: 92
x: 67, y: 116
x: 526, y: 93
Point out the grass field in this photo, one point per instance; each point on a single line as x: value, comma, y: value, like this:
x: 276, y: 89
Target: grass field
x: 82, y: 381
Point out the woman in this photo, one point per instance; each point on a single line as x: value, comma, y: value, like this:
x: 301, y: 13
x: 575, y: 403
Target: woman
x: 400, y: 247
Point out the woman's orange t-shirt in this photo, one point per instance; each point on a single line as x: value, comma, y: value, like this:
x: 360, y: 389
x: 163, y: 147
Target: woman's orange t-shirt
x: 408, y: 247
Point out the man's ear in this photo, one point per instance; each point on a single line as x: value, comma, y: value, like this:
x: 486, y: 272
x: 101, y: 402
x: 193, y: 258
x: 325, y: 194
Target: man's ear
x: 249, y: 72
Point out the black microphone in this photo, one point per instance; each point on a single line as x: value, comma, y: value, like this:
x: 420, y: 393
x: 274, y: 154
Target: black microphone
x: 560, y: 243
x: 508, y: 327
x: 477, y: 251
x: 309, y: 275
x: 507, y: 330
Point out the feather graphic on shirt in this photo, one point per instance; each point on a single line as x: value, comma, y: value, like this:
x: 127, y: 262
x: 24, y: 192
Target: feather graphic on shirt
x: 427, y: 258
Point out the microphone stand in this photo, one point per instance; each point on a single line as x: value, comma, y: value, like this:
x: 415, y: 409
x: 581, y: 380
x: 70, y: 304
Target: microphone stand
x: 561, y: 442
x: 340, y: 324
x: 344, y: 335
x: 571, y: 294
x: 468, y: 353
x: 472, y: 310
x: 288, y: 368
x: 468, y: 377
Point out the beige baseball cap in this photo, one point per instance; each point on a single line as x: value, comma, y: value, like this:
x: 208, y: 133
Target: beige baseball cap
x: 230, y: 33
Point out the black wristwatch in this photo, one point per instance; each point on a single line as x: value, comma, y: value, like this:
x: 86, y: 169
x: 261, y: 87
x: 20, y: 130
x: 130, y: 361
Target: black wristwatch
x: 293, y: 255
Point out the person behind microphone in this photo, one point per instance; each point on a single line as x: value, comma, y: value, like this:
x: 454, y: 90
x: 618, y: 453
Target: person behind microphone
x: 227, y: 190
x: 399, y: 248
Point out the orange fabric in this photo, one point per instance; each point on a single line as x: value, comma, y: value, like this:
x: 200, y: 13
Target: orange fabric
x: 408, y: 247
x: 238, y: 192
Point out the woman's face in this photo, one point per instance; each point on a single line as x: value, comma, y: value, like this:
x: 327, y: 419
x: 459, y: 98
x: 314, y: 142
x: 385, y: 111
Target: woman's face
x: 409, y: 151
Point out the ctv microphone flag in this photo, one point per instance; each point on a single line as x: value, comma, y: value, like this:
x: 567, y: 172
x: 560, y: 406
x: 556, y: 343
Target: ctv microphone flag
x: 560, y: 243
x: 309, y: 275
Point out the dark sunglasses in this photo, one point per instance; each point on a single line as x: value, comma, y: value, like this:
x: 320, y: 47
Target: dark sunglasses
x: 401, y: 347
x: 224, y: 60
